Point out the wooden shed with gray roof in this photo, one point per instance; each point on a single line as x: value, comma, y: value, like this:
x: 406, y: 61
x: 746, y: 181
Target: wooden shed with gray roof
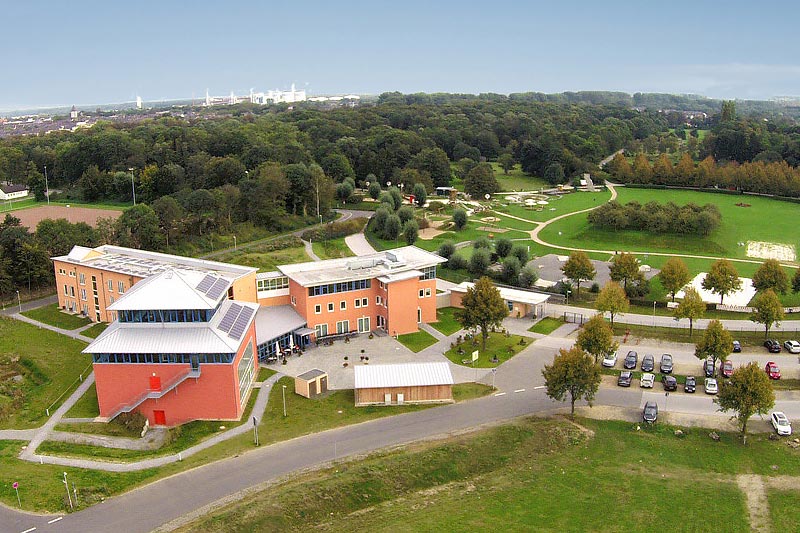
x: 398, y: 384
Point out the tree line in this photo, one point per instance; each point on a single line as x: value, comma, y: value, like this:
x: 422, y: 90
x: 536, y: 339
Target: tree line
x: 689, y: 219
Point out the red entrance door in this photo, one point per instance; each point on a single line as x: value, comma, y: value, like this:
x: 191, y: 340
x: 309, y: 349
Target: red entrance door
x: 155, y: 383
x: 160, y: 418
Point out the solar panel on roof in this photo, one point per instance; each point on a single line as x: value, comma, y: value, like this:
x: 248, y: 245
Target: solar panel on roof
x: 206, y: 283
x: 241, y: 323
x: 217, y: 289
x: 230, y: 317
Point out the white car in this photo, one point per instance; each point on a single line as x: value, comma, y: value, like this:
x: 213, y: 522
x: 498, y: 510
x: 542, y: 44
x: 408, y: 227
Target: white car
x: 711, y: 386
x: 792, y: 346
x: 781, y: 423
x: 610, y: 360
x: 647, y: 380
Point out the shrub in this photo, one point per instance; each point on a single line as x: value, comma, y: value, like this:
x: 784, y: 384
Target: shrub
x: 480, y: 261
x: 405, y: 213
x: 502, y: 246
x: 482, y: 242
x: 511, y: 270
x: 334, y: 230
x: 528, y: 276
x: 447, y: 249
x: 457, y: 262
x: 460, y: 218
x: 595, y: 288
x: 411, y: 232
x: 374, y: 187
x: 392, y: 228
x: 520, y: 252
x: 423, y: 223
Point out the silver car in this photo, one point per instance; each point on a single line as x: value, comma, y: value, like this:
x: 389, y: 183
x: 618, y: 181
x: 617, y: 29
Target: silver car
x: 711, y: 386
x: 781, y: 423
x: 610, y: 360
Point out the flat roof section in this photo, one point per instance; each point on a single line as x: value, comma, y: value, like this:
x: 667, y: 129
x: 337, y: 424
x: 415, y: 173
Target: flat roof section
x: 388, y: 262
x: 274, y: 321
x: 402, y: 375
x: 513, y: 295
x: 311, y: 374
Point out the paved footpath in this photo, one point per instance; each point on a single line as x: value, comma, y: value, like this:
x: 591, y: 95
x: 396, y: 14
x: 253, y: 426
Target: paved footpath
x: 358, y: 244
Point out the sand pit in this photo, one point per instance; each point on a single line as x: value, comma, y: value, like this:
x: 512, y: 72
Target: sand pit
x: 492, y: 229
x: 490, y: 219
x: 31, y: 217
x: 771, y: 250
x: 739, y: 298
x: 429, y: 233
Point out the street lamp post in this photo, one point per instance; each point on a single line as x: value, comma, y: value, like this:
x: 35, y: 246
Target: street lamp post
x: 654, y: 313
x: 567, y: 295
x: 19, y: 301
x: 133, y: 187
x: 69, y: 497
x: 234, y: 242
x: 284, y: 400
x: 46, y: 186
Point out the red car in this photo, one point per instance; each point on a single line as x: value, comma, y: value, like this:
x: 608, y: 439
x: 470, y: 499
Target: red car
x: 726, y: 369
x: 772, y: 370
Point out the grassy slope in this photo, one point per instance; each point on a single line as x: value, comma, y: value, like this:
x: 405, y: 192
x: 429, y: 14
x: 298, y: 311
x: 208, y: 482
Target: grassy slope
x: 265, y: 261
x: 332, y: 249
x: 52, y: 315
x: 516, y: 179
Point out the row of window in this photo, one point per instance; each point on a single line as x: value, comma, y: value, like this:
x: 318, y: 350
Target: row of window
x: 343, y: 326
x: 152, y: 358
x: 429, y: 273
x: 424, y: 293
x: 272, y: 284
x: 173, y: 315
x: 344, y: 286
x: 358, y: 302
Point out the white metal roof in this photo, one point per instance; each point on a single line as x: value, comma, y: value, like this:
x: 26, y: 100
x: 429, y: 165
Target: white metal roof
x: 402, y: 375
x: 513, y: 295
x: 174, y: 337
x: 171, y: 289
x: 361, y: 267
x: 274, y: 321
x: 400, y: 276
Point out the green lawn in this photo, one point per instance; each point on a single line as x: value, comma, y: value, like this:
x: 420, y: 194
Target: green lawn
x: 533, y: 475
x: 332, y: 249
x: 95, y: 330
x: 265, y: 260
x: 111, y: 429
x: 53, y: 316
x: 447, y: 323
x: 546, y: 326
x: 86, y: 406
x: 469, y: 233
x: 418, y: 341
x: 49, y: 364
x: 497, y: 345
x: 558, y: 205
x: 516, y: 179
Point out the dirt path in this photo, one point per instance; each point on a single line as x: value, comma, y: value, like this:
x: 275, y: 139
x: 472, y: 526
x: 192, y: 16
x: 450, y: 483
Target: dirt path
x: 755, y: 492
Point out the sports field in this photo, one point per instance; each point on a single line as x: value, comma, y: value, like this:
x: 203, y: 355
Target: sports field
x: 32, y: 216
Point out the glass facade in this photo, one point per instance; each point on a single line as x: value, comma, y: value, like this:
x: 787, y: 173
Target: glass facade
x: 157, y: 358
x: 272, y: 284
x: 173, y: 315
x: 429, y: 273
x: 344, y: 286
x: 245, y: 373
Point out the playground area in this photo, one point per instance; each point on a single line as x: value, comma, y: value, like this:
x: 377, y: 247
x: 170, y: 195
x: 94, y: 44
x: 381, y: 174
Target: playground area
x: 739, y: 298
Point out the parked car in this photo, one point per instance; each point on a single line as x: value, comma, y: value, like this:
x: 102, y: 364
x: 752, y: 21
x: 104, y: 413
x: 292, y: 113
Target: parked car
x: 792, y: 346
x: 690, y: 385
x: 781, y: 423
x: 772, y: 346
x: 631, y: 360
x: 647, y: 380
x: 726, y: 369
x: 708, y: 367
x: 625, y: 378
x: 737, y: 347
x: 610, y: 360
x: 711, y: 386
x: 650, y: 412
x: 666, y: 364
x: 648, y: 363
x: 670, y: 383
x: 772, y: 370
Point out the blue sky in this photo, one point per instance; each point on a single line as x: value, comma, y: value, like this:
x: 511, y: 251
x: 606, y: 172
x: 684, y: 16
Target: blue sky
x: 83, y: 52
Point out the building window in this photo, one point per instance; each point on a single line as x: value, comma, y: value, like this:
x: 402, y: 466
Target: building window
x: 429, y: 273
x: 381, y: 285
x: 363, y: 324
x: 317, y: 309
x: 421, y: 293
x: 72, y: 291
x: 120, y: 287
x: 246, y: 373
x: 66, y: 290
x: 321, y: 330
x: 272, y: 284
x: 62, y: 271
x: 344, y: 286
x: 343, y: 327
x: 377, y: 300
x: 357, y: 302
x: 342, y: 305
x: 112, y: 299
x: 83, y: 294
x: 364, y: 302
x: 427, y: 293
x: 110, y: 286
x: 330, y: 307
x: 82, y: 279
x: 294, y: 301
x: 72, y: 273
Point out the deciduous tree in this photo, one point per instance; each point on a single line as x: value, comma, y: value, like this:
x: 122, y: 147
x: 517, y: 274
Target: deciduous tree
x: 692, y: 307
x: 597, y: 338
x: 625, y: 268
x: 578, y: 268
x: 674, y: 275
x: 460, y: 218
x: 483, y: 307
x: 770, y: 275
x: 716, y: 343
x: 768, y: 310
x: 573, y: 372
x: 481, y: 181
x: 506, y: 162
x: 747, y: 392
x: 722, y: 279
x: 612, y: 299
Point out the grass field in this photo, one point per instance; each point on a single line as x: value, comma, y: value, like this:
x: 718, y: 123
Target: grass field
x: 417, y: 341
x: 447, y: 323
x: 469, y: 233
x: 49, y: 364
x: 332, y: 249
x: 558, y: 205
x: 516, y: 180
x: 95, y: 330
x: 497, y: 346
x: 546, y: 326
x: 86, y: 406
x: 534, y: 475
x: 53, y: 316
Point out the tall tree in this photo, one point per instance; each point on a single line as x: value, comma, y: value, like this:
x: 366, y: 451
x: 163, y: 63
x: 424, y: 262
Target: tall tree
x: 483, y: 307
x: 722, y: 279
x: 767, y: 310
x: 770, y: 275
x: 716, y: 343
x: 796, y: 281
x: 642, y: 171
x: 728, y: 112
x: 578, y: 268
x: 597, y: 338
x: 138, y: 228
x: 506, y: 162
x: 573, y: 372
x: 612, y: 299
x: 747, y: 392
x: 481, y: 181
x: 459, y: 218
x: 674, y: 275
x: 692, y: 307
x: 420, y: 195
x: 625, y: 268
x: 170, y: 215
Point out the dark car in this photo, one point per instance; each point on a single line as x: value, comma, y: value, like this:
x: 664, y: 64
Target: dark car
x: 648, y: 363
x: 772, y: 346
x: 666, y: 364
x: 726, y: 369
x: 670, y: 383
x: 625, y: 378
x: 631, y: 360
x: 690, y: 385
x: 708, y: 367
x: 650, y: 412
x: 737, y: 347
